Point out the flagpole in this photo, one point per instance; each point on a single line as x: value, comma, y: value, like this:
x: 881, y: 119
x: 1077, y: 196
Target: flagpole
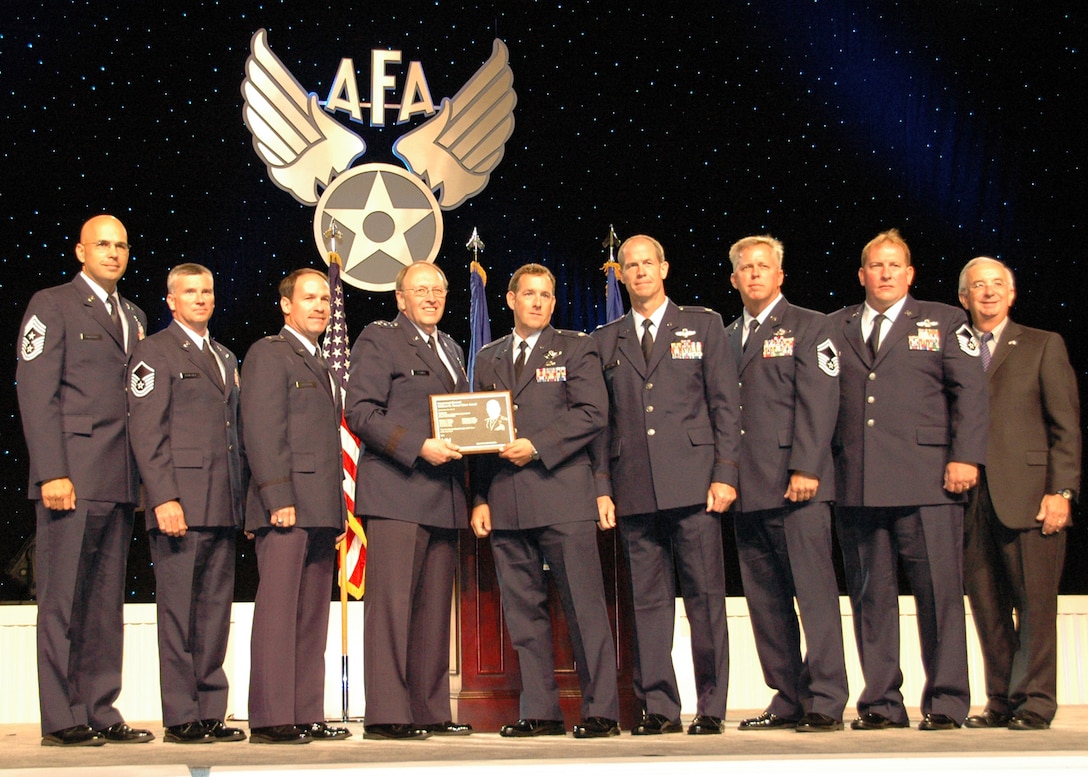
x: 342, y: 546
x: 613, y: 303
x: 333, y: 235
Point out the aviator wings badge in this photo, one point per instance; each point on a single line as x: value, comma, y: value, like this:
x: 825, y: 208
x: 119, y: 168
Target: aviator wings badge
x: 390, y: 216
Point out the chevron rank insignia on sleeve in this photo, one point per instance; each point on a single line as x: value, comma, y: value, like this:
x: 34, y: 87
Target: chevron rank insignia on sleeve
x: 143, y: 380
x: 828, y: 358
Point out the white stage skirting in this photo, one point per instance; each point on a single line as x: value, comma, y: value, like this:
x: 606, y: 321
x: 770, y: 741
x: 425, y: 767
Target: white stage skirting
x: 140, y: 695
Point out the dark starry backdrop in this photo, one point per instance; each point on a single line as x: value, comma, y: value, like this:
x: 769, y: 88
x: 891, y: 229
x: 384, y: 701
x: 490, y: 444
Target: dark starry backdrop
x: 820, y: 121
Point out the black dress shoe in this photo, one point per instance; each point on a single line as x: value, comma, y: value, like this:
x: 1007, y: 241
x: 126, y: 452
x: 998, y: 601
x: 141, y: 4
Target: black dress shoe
x: 448, y: 729
x: 817, y: 722
x: 192, y: 733
x: 653, y: 723
x: 767, y: 721
x: 988, y: 719
x: 533, y: 727
x: 279, y: 735
x: 935, y: 721
x: 874, y: 721
x: 1026, y: 720
x: 323, y: 732
x: 221, y: 732
x: 596, y: 727
x: 705, y: 724
x: 395, y: 731
x: 122, y: 734
x: 74, y: 736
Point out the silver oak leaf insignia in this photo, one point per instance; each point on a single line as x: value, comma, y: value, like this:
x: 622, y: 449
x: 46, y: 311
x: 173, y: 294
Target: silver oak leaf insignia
x: 457, y: 149
x: 302, y: 146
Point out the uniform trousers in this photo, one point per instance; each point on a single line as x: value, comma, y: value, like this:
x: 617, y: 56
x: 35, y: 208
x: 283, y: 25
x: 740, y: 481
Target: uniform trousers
x: 406, y: 622
x: 194, y: 588
x: 787, y: 553
x: 928, y: 540
x: 685, y: 542
x: 80, y: 573
x: 570, y: 551
x: 290, y: 626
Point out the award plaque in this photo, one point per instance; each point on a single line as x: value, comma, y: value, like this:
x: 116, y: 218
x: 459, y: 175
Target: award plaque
x: 481, y: 422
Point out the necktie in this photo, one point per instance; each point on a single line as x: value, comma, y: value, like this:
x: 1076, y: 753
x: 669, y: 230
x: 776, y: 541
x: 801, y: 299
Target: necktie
x: 113, y: 305
x: 214, y: 370
x: 874, y: 336
x: 987, y: 338
x: 647, y: 341
x: 519, y: 363
x: 433, y: 343
x: 753, y: 325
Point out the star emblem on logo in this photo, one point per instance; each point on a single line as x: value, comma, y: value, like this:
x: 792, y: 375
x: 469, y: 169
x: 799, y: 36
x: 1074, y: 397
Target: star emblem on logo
x: 389, y: 219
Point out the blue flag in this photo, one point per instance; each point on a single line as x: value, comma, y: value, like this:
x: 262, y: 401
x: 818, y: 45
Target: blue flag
x: 613, y: 302
x: 479, y: 323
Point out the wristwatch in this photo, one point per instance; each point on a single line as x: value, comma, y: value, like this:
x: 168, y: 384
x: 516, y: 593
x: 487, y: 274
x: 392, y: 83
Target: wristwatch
x: 536, y: 457
x: 1066, y: 493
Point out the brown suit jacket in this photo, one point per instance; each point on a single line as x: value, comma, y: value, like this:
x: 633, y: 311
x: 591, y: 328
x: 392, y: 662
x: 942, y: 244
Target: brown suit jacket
x: 1035, y: 439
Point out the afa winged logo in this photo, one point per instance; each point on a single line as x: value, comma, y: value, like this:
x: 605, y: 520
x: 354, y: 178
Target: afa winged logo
x: 390, y: 216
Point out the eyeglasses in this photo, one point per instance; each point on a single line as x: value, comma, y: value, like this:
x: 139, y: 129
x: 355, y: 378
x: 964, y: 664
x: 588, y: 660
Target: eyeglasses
x: 421, y: 292
x: 105, y: 245
x: 996, y: 285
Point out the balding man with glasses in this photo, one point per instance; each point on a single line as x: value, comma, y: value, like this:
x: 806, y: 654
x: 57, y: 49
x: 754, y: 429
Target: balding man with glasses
x: 410, y: 494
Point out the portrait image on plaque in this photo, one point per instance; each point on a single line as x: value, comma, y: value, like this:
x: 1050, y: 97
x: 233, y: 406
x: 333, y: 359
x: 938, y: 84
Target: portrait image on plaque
x: 481, y: 422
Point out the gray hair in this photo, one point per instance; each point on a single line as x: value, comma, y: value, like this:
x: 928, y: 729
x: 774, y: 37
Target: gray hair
x: 979, y: 260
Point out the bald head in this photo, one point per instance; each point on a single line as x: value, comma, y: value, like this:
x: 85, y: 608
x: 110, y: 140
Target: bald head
x: 103, y: 250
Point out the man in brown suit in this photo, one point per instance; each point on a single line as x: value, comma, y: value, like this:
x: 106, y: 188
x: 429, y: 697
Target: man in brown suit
x: 1013, y: 534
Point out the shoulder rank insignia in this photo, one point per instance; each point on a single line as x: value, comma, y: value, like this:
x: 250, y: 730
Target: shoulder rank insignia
x: 827, y: 356
x: 143, y: 380
x: 969, y: 344
x: 33, y: 339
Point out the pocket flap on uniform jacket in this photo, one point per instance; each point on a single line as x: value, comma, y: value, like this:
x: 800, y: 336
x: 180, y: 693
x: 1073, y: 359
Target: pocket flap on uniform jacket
x: 785, y: 438
x: 700, y: 435
x: 302, y: 462
x: 932, y: 435
x: 1036, y: 458
x: 189, y: 458
x: 77, y: 424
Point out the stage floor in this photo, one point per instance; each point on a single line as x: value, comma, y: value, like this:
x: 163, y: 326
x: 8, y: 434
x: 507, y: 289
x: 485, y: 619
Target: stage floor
x: 1063, y: 748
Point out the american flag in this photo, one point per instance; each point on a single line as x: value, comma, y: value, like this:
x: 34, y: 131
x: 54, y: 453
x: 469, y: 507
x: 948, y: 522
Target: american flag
x: 336, y: 349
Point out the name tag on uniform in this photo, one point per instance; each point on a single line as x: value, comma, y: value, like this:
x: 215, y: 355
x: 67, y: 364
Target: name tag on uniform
x: 777, y: 346
x: 551, y: 374
x: 686, y: 349
x: 301, y: 384
x: 925, y: 340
